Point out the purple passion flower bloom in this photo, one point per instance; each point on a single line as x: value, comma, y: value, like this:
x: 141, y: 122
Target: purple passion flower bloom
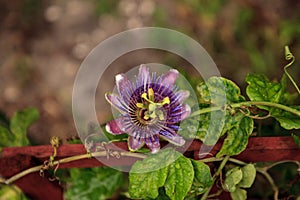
x: 150, y: 108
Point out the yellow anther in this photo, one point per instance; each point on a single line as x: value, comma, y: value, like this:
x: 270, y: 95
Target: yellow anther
x: 146, y: 117
x: 166, y: 100
x: 151, y: 94
x: 140, y: 105
x: 144, y: 96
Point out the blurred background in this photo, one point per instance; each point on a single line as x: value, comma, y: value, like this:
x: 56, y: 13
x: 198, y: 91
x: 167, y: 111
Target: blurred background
x: 43, y: 42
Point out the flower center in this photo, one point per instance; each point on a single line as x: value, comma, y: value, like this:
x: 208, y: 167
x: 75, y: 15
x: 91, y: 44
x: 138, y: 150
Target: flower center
x: 152, y: 110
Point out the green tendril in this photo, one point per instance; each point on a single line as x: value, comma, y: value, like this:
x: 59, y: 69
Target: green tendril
x: 290, y: 56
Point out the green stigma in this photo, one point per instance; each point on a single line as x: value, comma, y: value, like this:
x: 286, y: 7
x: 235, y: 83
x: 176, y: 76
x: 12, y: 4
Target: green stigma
x: 152, y: 107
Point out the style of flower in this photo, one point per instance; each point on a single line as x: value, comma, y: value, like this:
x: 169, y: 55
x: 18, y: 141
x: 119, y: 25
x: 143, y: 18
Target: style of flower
x: 150, y: 108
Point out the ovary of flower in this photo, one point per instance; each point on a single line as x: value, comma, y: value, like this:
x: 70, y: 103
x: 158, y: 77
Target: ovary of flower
x: 152, y: 107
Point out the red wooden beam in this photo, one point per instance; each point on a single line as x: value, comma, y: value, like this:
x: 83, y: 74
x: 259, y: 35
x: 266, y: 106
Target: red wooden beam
x: 16, y: 159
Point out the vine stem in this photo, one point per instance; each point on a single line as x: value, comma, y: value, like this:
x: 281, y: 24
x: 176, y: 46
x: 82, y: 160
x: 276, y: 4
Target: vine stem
x: 247, y: 103
x: 270, y: 180
x: 67, y: 160
x: 222, y: 165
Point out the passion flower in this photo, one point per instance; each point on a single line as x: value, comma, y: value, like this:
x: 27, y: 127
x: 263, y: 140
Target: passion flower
x: 150, y: 108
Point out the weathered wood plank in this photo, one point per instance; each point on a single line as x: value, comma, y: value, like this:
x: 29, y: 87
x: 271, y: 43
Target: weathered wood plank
x: 16, y: 159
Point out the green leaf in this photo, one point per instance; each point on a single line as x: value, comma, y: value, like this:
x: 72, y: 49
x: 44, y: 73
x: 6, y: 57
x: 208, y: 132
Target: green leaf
x: 216, y: 89
x: 203, y: 179
x: 260, y: 88
x: 189, y: 127
x: 287, y: 120
x: 180, y: 178
x: 237, y: 137
x: 211, y: 126
x: 167, y: 168
x: 19, y: 124
x: 239, y: 194
x: 233, y: 177
x: 146, y: 176
x: 93, y: 183
x: 296, y: 139
x: 11, y: 192
x: 249, y: 174
x: 7, y: 138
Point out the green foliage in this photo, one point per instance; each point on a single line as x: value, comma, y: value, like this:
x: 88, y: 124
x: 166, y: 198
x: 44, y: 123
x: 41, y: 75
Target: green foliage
x: 239, y: 194
x: 216, y: 123
x: 211, y: 127
x: 91, y: 183
x: 11, y: 192
x: 104, y: 7
x: 15, y: 133
x: 167, y: 168
x: 233, y: 177
x: 236, y: 141
x: 238, y: 178
x: 218, y: 91
x: 260, y: 88
x: 203, y: 179
x: 296, y: 139
x: 144, y: 183
x: 249, y: 174
x: 20, y: 122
